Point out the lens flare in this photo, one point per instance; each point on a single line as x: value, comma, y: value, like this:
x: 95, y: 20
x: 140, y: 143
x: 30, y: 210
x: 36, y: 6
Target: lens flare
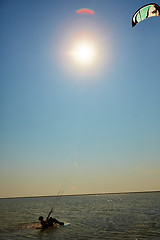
x: 85, y: 11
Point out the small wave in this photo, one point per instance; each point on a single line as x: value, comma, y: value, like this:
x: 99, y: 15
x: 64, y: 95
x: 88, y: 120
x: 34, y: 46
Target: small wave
x: 31, y: 226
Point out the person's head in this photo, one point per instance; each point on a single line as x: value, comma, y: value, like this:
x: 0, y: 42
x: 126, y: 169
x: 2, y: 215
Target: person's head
x: 40, y: 218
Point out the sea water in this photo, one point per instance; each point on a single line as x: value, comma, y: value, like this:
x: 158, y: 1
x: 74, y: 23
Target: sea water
x: 109, y: 216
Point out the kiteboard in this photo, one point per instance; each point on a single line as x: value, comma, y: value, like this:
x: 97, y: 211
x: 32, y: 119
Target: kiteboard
x: 66, y: 224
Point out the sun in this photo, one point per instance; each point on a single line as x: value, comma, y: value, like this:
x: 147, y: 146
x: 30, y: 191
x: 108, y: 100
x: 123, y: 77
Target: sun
x: 84, y: 53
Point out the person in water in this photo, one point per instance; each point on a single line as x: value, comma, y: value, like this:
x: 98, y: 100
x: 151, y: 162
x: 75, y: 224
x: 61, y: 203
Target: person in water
x: 49, y: 222
x: 44, y: 223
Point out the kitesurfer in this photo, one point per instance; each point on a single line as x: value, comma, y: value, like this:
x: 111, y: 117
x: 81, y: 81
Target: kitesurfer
x: 49, y: 222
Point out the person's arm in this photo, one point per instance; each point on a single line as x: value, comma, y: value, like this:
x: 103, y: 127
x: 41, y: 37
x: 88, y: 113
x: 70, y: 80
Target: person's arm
x: 49, y: 214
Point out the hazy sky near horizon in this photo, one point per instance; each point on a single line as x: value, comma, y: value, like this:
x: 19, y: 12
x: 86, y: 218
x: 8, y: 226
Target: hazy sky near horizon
x: 72, y: 128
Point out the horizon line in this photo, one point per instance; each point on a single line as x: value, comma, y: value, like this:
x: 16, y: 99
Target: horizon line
x: 81, y: 194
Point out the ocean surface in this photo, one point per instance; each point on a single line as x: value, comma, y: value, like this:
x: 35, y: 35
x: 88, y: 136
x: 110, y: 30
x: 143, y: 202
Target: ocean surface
x: 109, y: 216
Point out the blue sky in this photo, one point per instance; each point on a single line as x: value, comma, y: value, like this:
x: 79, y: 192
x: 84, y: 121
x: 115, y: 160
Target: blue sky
x: 83, y: 130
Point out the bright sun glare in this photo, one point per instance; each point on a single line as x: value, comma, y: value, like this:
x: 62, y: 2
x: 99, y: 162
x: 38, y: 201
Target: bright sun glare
x: 84, y: 53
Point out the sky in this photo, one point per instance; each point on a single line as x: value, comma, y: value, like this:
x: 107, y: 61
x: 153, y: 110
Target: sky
x: 74, y: 128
